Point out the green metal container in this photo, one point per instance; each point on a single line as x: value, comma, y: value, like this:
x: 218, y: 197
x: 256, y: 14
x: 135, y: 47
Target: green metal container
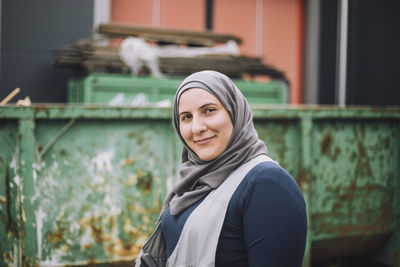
x: 82, y: 185
x: 120, y: 90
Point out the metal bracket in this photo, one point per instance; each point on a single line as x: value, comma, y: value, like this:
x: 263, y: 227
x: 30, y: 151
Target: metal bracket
x: 55, y: 139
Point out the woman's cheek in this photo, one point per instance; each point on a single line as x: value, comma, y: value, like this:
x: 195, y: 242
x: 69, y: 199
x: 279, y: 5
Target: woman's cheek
x: 185, y: 131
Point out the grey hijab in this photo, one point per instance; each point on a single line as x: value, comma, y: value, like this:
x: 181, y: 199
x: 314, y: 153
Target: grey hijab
x: 198, y: 177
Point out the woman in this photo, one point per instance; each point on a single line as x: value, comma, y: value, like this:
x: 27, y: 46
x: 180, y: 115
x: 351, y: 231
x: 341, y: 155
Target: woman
x: 232, y: 205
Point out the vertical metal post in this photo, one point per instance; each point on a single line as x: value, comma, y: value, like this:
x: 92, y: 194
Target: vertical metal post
x: 101, y: 12
x: 26, y: 127
x: 341, y: 65
x: 311, y: 51
x: 209, y: 14
x: 306, y: 125
x: 156, y: 13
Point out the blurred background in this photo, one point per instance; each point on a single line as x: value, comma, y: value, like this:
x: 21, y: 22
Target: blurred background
x: 331, y: 52
x: 81, y: 185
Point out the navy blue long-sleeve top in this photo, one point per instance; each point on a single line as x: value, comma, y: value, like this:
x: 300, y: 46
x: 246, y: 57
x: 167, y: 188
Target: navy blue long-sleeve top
x: 265, y: 223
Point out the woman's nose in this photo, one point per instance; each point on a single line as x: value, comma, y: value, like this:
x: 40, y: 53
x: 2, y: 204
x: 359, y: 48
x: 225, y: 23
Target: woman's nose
x: 198, y: 125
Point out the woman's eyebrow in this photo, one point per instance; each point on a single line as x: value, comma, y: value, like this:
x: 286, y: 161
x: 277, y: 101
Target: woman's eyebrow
x: 183, y: 112
x: 208, y: 104
x: 201, y: 107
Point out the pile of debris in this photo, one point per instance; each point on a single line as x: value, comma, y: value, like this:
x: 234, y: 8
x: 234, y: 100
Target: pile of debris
x: 159, y: 52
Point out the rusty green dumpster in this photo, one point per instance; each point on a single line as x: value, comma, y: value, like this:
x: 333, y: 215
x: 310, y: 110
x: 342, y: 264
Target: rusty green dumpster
x: 83, y: 185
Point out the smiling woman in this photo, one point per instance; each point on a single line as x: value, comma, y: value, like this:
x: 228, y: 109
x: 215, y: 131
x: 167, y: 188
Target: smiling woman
x: 231, y: 205
x: 204, y: 123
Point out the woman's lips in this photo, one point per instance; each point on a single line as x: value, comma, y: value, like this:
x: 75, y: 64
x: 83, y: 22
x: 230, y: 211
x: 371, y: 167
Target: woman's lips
x: 204, y: 141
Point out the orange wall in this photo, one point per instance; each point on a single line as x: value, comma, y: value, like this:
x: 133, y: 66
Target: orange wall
x: 183, y: 14
x: 237, y: 17
x: 281, y: 29
x: 137, y: 12
x: 283, y: 42
x: 175, y: 14
x: 279, y: 46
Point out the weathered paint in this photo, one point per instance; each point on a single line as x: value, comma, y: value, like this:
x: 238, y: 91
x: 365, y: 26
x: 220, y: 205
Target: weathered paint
x: 84, y: 184
x: 27, y: 207
x: 120, y: 89
x: 109, y: 177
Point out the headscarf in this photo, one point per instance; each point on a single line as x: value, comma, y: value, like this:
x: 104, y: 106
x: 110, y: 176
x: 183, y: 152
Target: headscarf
x: 197, y: 177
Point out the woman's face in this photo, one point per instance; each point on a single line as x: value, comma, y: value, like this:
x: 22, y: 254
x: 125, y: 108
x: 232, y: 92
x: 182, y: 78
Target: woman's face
x: 204, y: 123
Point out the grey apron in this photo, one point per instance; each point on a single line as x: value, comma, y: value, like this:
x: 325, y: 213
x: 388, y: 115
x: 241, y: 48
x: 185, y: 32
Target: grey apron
x: 198, y: 241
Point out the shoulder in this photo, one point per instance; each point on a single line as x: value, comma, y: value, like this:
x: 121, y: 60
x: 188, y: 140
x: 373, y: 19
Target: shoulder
x: 268, y: 180
x: 268, y: 172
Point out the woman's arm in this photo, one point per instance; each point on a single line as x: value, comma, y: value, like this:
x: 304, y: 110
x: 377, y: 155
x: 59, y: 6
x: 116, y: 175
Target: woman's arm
x: 274, y: 220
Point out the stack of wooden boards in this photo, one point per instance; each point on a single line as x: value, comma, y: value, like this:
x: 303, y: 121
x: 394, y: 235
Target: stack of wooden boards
x: 92, y: 55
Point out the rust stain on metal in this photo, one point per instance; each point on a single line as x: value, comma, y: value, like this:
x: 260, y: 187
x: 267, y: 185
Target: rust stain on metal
x: 363, y: 130
x: 373, y: 221
x: 92, y: 260
x: 362, y: 167
x: 123, y: 249
x: 39, y: 148
x: 283, y: 132
x: 144, y: 180
x: 129, y: 161
x: 26, y: 262
x: 347, y: 229
x: 326, y: 147
x: 132, y: 179
x: 97, y: 232
x: 303, y: 179
x: 63, y: 152
x: 132, y: 160
x: 139, y: 138
x: 56, y: 237
x: 326, y: 144
x: 39, y: 108
x: 12, y: 228
x: 136, y: 208
x: 8, y: 258
x: 386, y: 142
x: 130, y: 249
x: 96, y: 229
x: 2, y: 200
x: 374, y: 187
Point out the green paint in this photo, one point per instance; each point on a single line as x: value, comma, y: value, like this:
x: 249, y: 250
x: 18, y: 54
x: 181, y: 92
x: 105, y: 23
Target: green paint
x: 120, y: 90
x: 95, y: 194
x: 27, y: 191
x: 304, y: 179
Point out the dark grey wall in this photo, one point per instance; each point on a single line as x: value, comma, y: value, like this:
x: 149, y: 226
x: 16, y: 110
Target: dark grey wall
x: 30, y: 30
x: 327, y: 50
x: 374, y: 52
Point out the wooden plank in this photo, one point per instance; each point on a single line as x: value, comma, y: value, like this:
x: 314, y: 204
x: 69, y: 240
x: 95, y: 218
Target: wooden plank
x: 90, y: 57
x: 206, y: 38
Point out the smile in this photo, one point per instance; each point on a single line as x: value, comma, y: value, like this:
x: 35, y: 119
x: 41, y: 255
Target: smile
x: 204, y: 141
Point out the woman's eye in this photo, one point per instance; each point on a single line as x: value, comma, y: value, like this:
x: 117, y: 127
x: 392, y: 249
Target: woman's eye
x: 209, y: 110
x: 185, y: 117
